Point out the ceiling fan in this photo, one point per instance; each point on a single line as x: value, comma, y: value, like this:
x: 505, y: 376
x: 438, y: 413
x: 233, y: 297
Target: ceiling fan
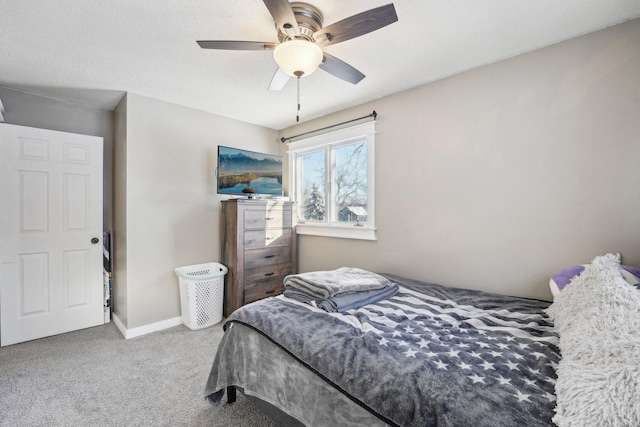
x: 302, y: 37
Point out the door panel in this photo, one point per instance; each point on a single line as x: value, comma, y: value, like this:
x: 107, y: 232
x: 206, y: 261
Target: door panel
x: 76, y: 278
x: 76, y: 202
x: 34, y: 201
x: 34, y: 283
x: 50, y: 271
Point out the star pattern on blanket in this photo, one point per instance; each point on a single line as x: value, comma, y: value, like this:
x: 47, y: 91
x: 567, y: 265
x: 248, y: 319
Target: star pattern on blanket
x: 491, y: 356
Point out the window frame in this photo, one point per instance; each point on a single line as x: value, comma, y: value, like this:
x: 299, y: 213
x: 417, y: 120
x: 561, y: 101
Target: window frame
x: 327, y: 142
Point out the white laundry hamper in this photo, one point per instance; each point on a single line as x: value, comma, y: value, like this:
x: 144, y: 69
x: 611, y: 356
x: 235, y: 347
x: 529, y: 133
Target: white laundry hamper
x: 201, y: 294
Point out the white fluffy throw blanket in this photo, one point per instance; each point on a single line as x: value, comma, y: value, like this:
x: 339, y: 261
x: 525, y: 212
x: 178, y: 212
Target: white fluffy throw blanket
x: 598, y: 318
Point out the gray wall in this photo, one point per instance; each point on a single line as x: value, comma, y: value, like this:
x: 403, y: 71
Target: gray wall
x: 168, y: 211
x: 26, y: 109
x: 119, y: 238
x: 498, y: 177
x: 492, y: 179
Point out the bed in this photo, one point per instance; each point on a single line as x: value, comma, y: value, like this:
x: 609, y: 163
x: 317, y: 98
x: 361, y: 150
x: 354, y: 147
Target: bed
x: 427, y: 356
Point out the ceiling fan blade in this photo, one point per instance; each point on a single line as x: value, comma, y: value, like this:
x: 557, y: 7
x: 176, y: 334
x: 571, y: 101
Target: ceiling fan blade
x: 280, y: 78
x: 357, y: 25
x: 341, y: 69
x: 235, y: 45
x: 284, y: 17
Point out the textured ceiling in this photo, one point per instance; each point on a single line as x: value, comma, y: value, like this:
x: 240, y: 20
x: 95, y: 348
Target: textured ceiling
x: 92, y: 52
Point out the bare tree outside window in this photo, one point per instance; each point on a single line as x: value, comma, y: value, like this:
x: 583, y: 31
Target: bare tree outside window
x: 351, y: 183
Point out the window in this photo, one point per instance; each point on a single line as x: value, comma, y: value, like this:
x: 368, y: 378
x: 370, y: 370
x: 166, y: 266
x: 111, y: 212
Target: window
x: 332, y: 183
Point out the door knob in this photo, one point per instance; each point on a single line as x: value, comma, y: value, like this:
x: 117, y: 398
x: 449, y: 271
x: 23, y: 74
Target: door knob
x: 95, y: 240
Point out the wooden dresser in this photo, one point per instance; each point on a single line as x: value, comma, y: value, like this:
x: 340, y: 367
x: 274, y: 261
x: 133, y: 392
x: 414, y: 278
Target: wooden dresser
x: 258, y: 247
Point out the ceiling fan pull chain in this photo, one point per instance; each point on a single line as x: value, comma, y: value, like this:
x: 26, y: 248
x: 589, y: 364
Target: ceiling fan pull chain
x: 298, y: 90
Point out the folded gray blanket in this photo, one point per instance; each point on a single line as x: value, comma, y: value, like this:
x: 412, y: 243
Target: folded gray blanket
x: 326, y: 284
x: 344, y: 301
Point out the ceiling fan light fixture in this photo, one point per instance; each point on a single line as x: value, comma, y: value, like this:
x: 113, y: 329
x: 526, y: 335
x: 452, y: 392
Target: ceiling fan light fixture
x: 298, y: 57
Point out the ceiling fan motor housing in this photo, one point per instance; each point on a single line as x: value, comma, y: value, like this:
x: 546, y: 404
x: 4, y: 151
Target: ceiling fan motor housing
x: 309, y: 20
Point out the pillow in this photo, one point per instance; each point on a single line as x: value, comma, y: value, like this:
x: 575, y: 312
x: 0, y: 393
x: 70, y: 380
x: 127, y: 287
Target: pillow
x: 563, y: 277
x: 631, y: 275
x: 599, y: 338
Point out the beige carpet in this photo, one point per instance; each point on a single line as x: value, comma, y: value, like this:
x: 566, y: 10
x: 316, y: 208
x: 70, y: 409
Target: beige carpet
x: 95, y: 377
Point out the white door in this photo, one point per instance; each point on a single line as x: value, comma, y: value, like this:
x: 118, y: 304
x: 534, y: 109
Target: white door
x: 50, y: 210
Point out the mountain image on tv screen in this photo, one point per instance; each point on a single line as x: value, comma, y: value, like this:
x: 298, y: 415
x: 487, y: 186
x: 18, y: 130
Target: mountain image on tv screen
x: 239, y: 169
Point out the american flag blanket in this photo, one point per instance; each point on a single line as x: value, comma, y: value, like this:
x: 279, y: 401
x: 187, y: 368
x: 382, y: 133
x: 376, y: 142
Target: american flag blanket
x: 428, y: 356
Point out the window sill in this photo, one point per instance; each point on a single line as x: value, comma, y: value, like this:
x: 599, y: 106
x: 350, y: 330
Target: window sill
x: 342, y: 232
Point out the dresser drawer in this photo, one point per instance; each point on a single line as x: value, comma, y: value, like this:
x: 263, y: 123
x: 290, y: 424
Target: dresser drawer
x: 259, y: 290
x: 268, y: 256
x: 258, y: 239
x: 267, y: 217
x: 268, y: 272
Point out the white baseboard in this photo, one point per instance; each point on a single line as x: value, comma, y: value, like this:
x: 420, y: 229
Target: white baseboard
x: 146, y: 329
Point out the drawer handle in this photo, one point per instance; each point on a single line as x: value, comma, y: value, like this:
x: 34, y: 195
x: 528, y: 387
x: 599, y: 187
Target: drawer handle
x: 269, y: 238
x: 269, y: 256
x: 270, y: 292
x: 269, y: 218
x: 269, y: 274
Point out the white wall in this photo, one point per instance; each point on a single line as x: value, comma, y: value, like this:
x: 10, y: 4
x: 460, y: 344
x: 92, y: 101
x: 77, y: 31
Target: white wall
x: 498, y: 177
x: 172, y: 208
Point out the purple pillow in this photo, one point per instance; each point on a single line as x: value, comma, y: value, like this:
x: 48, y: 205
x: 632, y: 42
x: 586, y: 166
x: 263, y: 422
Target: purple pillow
x: 563, y: 277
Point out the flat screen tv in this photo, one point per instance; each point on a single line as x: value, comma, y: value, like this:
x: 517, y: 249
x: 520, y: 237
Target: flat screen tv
x: 239, y: 169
